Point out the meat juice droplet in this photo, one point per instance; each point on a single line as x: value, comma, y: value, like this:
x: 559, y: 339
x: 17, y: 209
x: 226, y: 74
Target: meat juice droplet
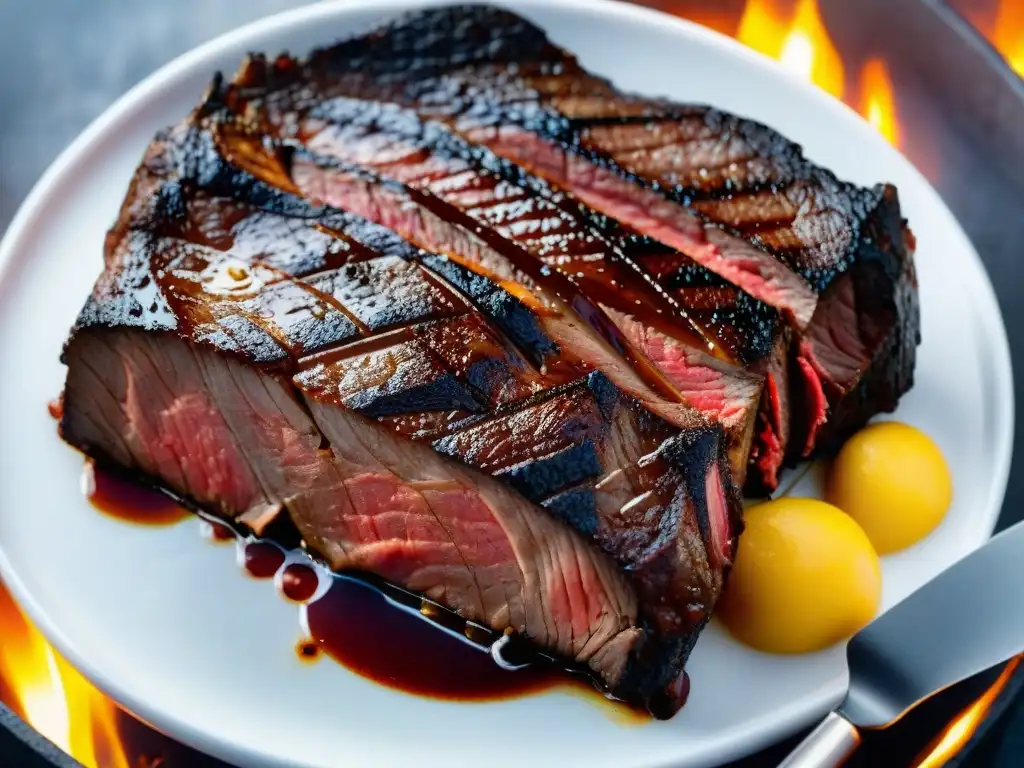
x: 262, y: 559
x: 685, y: 695
x: 127, y: 500
x: 299, y: 582
x: 308, y: 650
x: 216, y: 531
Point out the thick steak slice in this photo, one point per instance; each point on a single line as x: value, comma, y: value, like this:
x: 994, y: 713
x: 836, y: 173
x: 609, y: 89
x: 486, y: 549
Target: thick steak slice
x: 745, y: 329
x: 529, y: 222
x: 732, y: 194
x: 272, y: 359
x: 238, y: 441
x: 497, y: 79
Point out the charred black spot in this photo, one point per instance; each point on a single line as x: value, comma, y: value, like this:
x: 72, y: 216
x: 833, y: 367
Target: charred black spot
x: 545, y: 476
x: 577, y: 508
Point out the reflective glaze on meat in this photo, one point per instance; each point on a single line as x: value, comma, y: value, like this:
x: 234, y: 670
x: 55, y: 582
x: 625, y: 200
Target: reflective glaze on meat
x: 475, y: 323
x: 456, y: 434
x: 707, y: 187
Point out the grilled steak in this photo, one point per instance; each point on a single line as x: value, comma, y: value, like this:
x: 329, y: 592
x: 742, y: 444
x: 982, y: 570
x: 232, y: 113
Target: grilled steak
x: 454, y: 433
x: 470, y: 320
x: 730, y: 194
x: 666, y: 304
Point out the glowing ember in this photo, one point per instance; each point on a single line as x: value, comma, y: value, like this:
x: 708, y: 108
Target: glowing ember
x: 960, y: 731
x: 799, y: 41
x: 877, y: 104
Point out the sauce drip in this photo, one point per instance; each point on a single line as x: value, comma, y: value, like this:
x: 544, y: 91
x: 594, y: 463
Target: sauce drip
x: 261, y: 559
x: 308, y: 650
x: 354, y: 624
x: 216, y: 531
x: 299, y: 582
x: 123, y: 499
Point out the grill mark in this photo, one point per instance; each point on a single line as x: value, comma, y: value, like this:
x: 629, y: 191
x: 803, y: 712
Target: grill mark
x: 460, y: 373
x: 216, y: 309
x: 374, y: 343
x: 350, y: 347
x: 586, y: 310
x: 572, y: 207
x: 355, y: 247
x: 506, y: 410
x: 522, y: 355
x: 547, y: 278
x: 448, y: 145
x: 269, y: 328
x: 363, y: 346
x: 551, y: 126
x: 326, y: 298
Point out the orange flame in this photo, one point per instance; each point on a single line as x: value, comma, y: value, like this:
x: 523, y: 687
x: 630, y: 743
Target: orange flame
x: 960, y: 731
x: 1007, y: 34
x: 52, y: 697
x: 800, y: 41
x: 878, y: 104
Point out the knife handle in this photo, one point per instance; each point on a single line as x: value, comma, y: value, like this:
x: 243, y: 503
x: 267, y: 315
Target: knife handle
x: 827, y: 746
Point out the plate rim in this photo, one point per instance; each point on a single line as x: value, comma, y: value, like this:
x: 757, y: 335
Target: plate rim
x: 200, y: 58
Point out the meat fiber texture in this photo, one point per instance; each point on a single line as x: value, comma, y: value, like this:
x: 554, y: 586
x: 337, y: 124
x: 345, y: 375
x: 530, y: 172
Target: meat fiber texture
x: 472, y: 321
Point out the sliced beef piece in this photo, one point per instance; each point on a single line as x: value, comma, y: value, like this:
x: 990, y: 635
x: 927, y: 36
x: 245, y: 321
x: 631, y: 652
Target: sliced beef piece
x: 761, y: 335
x: 268, y: 357
x: 857, y: 357
x: 747, y: 329
x: 508, y: 87
x: 238, y: 440
x: 732, y: 194
x: 537, y: 225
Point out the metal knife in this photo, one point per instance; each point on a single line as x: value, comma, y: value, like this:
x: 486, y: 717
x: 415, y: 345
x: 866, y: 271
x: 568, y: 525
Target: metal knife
x: 967, y: 619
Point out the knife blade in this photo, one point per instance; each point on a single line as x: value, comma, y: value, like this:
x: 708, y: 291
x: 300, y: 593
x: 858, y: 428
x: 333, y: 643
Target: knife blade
x: 966, y: 620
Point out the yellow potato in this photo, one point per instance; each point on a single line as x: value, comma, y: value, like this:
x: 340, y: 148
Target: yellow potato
x: 805, y: 578
x: 893, y: 480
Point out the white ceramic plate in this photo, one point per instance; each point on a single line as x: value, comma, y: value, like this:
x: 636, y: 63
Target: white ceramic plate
x: 168, y: 626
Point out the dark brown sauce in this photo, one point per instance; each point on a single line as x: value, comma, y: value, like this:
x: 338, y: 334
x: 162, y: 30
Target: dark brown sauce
x: 299, y: 582
x: 261, y: 559
x: 307, y: 650
x: 356, y: 626
x: 126, y: 500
